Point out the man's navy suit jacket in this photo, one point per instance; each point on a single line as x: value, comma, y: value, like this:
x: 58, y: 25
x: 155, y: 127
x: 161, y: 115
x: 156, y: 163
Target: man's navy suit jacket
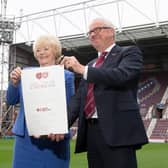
x: 115, y: 92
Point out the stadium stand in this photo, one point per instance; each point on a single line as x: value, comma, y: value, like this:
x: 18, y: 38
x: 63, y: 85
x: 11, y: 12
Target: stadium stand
x: 153, y: 100
x: 151, y: 90
x: 160, y: 131
x: 146, y: 123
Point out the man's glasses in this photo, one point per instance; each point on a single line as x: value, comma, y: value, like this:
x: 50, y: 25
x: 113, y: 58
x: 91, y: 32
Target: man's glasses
x: 97, y: 30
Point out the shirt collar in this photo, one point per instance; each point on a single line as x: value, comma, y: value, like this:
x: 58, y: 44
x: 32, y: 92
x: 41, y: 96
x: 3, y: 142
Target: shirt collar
x: 107, y: 49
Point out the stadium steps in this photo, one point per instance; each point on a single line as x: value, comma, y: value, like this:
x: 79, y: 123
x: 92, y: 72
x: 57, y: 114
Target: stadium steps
x: 160, y: 131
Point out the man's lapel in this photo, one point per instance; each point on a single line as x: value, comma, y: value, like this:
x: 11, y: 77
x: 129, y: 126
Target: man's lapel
x: 112, y: 55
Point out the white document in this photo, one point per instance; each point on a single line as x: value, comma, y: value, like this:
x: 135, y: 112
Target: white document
x: 44, y: 100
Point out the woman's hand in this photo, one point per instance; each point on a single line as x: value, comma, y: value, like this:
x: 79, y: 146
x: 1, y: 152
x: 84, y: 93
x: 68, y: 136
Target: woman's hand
x: 15, y: 76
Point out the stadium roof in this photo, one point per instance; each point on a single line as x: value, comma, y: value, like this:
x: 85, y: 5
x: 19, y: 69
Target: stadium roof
x: 145, y: 25
x: 130, y: 18
x: 132, y: 34
x: 152, y: 39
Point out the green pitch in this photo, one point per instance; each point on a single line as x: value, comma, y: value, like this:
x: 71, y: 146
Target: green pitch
x: 153, y: 155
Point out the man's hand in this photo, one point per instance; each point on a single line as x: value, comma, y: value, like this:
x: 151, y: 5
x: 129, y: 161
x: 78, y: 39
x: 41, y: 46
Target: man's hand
x: 53, y: 137
x: 73, y: 64
x: 56, y: 137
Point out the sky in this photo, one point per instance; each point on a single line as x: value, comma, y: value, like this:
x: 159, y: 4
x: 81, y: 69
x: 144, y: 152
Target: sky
x: 31, y: 6
x: 124, y: 14
x: 131, y: 13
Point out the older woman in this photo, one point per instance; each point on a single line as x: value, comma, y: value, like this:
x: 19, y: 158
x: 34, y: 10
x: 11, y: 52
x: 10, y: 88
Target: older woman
x: 31, y: 152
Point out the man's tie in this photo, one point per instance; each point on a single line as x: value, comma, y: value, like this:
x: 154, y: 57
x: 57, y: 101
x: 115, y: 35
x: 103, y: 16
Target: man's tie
x: 90, y: 102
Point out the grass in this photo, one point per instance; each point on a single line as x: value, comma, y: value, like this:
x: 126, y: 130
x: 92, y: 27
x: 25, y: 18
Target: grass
x: 6, y: 147
x: 153, y: 155
x: 6, y: 151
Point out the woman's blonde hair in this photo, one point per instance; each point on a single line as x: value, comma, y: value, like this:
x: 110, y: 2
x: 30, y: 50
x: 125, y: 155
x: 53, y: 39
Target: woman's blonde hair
x: 51, y: 41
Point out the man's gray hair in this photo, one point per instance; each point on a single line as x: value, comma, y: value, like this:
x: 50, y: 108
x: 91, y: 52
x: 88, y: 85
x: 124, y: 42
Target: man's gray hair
x: 106, y: 22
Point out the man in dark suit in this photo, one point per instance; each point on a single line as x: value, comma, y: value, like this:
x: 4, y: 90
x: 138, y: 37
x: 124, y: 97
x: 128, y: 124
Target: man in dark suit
x: 113, y: 131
